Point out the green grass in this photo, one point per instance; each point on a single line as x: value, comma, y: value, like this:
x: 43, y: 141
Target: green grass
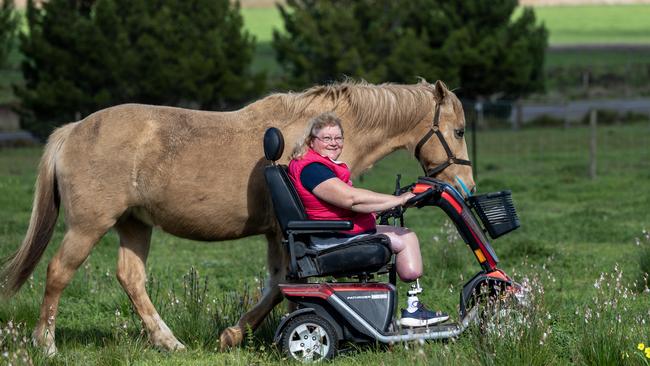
x: 573, y: 229
x: 621, y: 58
x: 598, y: 24
x: 262, y: 21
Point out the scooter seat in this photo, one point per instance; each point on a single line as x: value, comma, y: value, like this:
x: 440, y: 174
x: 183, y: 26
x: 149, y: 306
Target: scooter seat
x: 365, y: 255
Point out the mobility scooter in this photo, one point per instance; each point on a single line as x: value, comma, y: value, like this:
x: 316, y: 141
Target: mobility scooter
x: 363, y: 310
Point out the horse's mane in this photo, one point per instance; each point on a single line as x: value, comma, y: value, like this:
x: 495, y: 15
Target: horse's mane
x: 397, y: 106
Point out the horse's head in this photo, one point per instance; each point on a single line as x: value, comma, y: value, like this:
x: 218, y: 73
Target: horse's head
x: 440, y: 147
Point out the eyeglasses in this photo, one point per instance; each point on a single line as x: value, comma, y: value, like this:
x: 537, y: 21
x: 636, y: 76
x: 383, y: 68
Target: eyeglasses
x: 330, y: 139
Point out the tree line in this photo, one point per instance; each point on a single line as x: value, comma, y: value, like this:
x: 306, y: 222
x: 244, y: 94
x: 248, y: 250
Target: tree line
x: 83, y: 55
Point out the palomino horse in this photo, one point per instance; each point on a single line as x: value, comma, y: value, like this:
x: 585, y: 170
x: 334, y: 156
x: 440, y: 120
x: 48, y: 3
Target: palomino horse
x: 198, y: 175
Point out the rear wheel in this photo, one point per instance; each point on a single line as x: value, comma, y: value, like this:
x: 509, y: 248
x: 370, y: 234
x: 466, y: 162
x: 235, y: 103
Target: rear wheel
x: 309, y: 338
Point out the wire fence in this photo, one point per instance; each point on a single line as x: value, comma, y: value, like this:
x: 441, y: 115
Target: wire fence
x: 579, y: 137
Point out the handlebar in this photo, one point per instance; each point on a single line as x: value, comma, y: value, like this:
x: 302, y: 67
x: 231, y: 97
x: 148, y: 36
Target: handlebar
x: 413, y: 201
x: 419, y: 200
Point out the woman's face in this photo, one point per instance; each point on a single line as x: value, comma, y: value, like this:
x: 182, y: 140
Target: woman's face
x: 328, y: 142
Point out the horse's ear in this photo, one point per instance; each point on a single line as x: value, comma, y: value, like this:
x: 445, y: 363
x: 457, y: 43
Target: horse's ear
x: 440, y: 90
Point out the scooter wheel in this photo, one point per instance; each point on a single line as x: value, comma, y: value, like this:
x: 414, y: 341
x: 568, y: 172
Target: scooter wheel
x: 309, y: 338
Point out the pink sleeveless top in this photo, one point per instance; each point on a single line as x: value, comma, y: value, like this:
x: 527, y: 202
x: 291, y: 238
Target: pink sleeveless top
x: 318, y: 209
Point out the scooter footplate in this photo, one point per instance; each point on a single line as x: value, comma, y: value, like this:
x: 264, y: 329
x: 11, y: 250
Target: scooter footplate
x: 424, y: 330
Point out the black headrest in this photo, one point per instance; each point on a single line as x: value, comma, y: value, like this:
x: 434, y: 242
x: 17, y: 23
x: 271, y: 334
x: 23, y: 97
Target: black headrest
x: 273, y: 144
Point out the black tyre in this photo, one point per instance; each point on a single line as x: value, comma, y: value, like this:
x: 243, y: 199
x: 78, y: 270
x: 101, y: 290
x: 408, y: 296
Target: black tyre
x: 309, y: 338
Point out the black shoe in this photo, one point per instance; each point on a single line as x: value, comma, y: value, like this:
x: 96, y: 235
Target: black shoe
x: 422, y: 317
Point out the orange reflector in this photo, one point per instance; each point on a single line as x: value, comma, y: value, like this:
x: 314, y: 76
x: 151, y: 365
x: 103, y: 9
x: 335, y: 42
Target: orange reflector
x: 479, y: 255
x: 420, y: 187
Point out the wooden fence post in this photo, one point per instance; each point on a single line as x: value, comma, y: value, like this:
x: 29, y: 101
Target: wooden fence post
x: 478, y: 107
x: 519, y: 115
x: 593, y: 122
x: 567, y: 123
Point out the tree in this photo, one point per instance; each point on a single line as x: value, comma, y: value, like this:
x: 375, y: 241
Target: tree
x: 494, y: 54
x: 9, y: 22
x: 473, y: 44
x: 326, y: 40
x: 84, y: 55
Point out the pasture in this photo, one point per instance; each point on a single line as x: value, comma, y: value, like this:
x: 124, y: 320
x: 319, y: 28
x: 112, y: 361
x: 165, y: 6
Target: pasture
x: 596, y: 24
x: 579, y: 246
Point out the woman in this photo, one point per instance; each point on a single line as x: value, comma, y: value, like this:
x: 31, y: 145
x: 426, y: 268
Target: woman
x: 324, y: 186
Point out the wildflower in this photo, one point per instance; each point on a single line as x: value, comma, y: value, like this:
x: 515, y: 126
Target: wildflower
x: 641, y: 346
x: 647, y: 352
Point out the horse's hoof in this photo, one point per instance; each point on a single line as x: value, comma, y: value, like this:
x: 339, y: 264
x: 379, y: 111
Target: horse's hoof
x: 230, y: 337
x: 45, y: 342
x: 179, y: 347
x: 168, y: 344
x: 49, y: 350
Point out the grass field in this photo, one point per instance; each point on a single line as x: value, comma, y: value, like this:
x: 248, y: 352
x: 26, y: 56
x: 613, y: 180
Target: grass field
x: 598, y: 24
x: 577, y: 246
x: 603, y: 57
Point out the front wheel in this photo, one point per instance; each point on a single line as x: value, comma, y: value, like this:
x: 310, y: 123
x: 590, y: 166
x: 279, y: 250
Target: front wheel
x: 309, y: 338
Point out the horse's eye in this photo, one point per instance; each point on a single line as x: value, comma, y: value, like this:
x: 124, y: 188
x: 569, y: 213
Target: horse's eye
x: 459, y: 133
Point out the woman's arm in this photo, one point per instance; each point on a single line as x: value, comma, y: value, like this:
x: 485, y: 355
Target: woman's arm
x: 337, y: 193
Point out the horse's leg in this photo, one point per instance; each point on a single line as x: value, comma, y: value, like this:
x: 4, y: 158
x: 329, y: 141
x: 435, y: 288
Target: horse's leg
x: 135, y: 239
x: 75, y: 248
x: 277, y: 260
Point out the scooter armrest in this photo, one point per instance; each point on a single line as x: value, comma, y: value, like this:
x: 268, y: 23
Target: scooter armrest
x: 320, y: 225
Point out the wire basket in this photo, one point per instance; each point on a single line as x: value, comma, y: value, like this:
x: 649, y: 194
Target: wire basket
x: 497, y: 212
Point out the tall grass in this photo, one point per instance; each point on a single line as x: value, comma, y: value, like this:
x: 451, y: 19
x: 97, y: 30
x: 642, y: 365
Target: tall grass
x: 643, y: 243
x: 517, y: 332
x: 611, y: 325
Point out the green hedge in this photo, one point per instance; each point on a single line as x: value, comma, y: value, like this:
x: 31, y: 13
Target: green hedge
x: 81, y: 56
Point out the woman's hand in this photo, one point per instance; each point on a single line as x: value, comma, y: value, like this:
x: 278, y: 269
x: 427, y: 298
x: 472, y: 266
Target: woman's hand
x: 405, y: 197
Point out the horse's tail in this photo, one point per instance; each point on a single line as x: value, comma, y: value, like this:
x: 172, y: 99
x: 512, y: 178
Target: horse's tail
x: 45, y: 211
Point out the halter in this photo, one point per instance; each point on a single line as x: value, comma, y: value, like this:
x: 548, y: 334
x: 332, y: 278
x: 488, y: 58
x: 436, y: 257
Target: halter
x: 451, y: 159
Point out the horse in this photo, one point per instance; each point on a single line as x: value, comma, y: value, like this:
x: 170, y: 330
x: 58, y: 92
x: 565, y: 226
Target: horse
x: 199, y: 175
